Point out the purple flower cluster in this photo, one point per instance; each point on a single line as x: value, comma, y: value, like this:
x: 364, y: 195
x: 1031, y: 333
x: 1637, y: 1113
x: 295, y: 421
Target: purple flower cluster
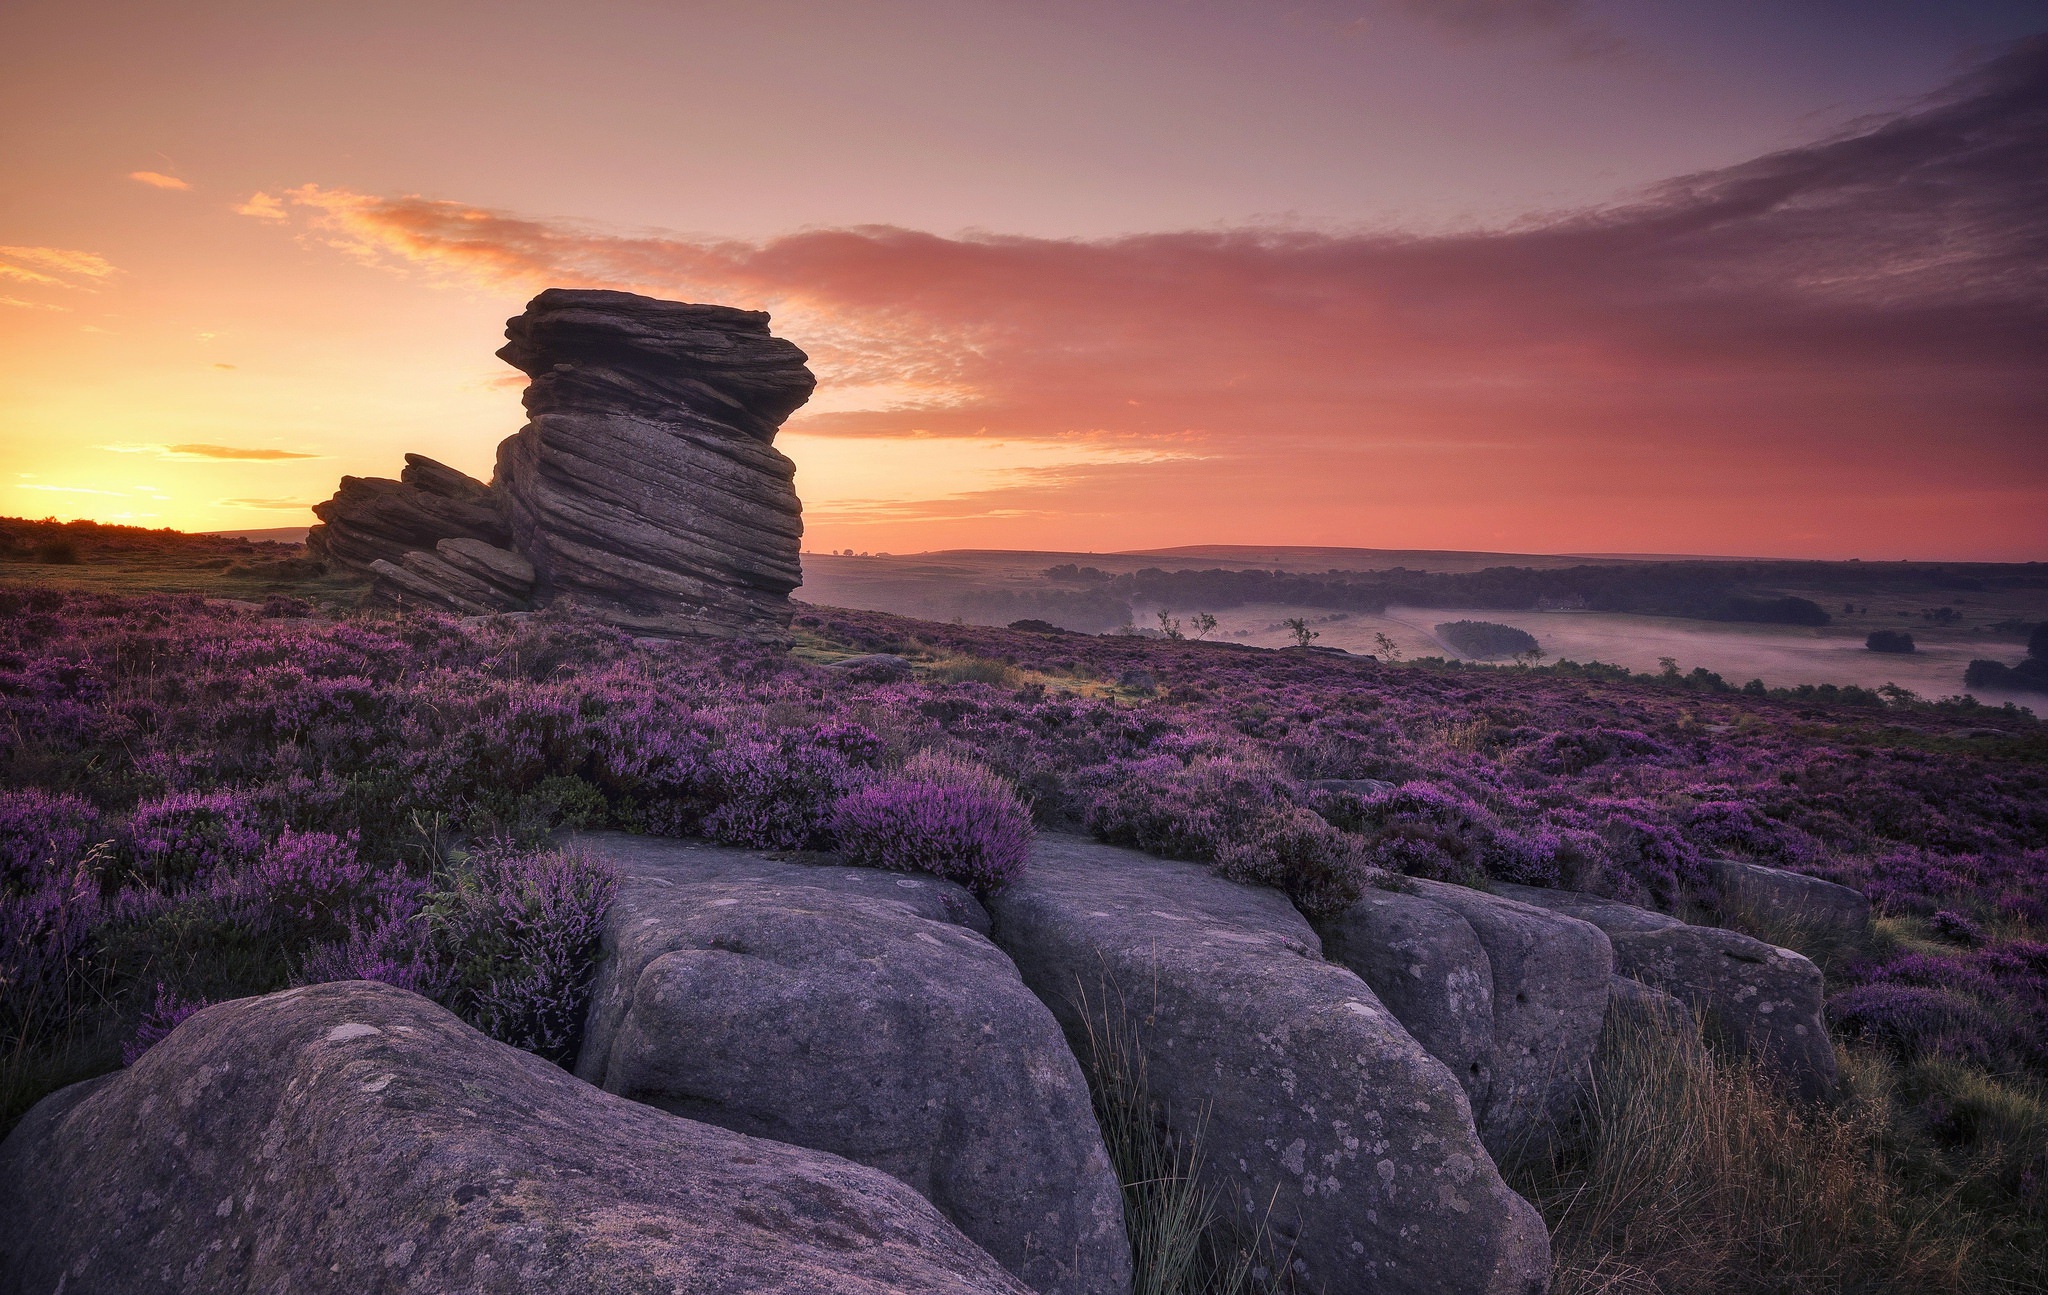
x: 941, y: 814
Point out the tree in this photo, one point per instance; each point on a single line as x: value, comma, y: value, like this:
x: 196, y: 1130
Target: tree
x: 1204, y: 624
x: 1303, y: 635
x: 1168, y: 625
x: 2037, y: 642
x: 1387, y: 647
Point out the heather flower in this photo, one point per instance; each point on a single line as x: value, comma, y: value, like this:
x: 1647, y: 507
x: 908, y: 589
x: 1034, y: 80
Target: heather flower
x: 941, y: 815
x: 45, y: 936
x: 395, y: 947
x: 186, y: 836
x: 42, y: 837
x: 777, y: 792
x: 519, y: 934
x: 1957, y: 927
x: 164, y: 1015
x: 311, y: 885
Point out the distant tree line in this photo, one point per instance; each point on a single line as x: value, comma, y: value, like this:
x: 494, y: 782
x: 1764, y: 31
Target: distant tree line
x: 2030, y: 675
x: 1730, y: 591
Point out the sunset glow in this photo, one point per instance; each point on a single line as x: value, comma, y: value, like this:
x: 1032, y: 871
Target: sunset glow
x: 241, y: 256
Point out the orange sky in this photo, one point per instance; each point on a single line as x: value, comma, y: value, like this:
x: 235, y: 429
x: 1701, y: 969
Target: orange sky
x: 1069, y: 281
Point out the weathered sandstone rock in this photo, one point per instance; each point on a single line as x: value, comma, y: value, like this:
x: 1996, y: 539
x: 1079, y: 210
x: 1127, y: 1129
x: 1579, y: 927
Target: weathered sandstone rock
x: 372, y: 518
x: 1426, y: 964
x: 644, y: 488
x: 1509, y: 996
x: 1310, y: 1098
x: 1789, y: 900
x: 355, y: 1138
x: 862, y: 1013
x: 1633, y: 1003
x: 1764, y: 999
x: 645, y: 485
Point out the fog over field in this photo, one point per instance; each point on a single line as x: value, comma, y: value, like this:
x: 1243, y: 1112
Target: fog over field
x: 995, y: 587
x: 1782, y: 656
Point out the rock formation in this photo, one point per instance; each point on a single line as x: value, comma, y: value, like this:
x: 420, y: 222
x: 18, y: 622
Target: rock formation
x: 1319, y: 1115
x: 356, y: 1137
x: 372, y: 519
x: 1789, y: 901
x: 1762, y: 998
x: 862, y: 1013
x: 1511, y: 997
x: 645, y: 487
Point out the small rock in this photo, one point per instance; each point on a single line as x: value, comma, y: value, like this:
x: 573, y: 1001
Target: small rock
x: 879, y: 667
x: 372, y: 518
x: 1509, y: 996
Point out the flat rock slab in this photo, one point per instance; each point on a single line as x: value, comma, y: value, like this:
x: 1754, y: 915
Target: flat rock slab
x: 1764, y: 999
x: 863, y: 1013
x: 1318, y: 1114
x: 355, y: 1137
x: 1509, y: 996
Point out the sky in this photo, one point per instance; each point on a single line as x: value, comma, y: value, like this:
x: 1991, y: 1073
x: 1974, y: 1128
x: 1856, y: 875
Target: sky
x: 1516, y: 275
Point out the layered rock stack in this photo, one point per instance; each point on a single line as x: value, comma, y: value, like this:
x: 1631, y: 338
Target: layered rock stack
x: 645, y: 487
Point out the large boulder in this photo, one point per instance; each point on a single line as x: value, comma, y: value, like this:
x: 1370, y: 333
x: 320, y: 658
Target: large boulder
x: 645, y: 485
x: 355, y: 1137
x: 372, y: 519
x: 862, y: 1013
x: 1509, y: 996
x: 1791, y: 902
x: 1319, y: 1117
x: 1764, y: 999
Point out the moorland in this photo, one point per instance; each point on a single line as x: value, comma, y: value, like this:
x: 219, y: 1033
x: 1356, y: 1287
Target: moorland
x: 222, y: 776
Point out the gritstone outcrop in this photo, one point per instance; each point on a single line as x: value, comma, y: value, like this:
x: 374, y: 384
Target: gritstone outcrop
x: 645, y: 487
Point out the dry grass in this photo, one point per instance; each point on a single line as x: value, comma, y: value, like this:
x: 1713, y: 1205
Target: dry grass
x: 1180, y: 1244
x: 960, y: 668
x: 1692, y: 1174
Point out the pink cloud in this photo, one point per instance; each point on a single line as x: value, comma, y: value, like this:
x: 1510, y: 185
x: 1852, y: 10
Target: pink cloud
x: 1808, y: 352
x: 158, y: 180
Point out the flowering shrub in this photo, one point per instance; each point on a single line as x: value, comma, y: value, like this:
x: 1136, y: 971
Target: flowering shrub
x: 1233, y: 809
x: 163, y: 1016
x: 42, y: 837
x: 776, y: 792
x: 941, y: 814
x: 225, y: 801
x: 189, y: 836
x: 519, y: 934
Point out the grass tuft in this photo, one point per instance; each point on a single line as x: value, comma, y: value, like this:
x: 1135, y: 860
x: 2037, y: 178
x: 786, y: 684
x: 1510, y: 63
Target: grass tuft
x: 1692, y: 1173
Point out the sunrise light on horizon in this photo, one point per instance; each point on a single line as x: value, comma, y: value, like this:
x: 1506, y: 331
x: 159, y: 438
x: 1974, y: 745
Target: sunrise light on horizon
x: 1544, y: 277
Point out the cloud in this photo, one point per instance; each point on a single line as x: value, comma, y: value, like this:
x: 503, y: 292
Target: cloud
x: 1797, y: 334
x: 263, y: 207
x: 19, y: 304
x: 53, y: 267
x: 245, y: 454
x: 158, y: 180
x: 71, y: 490
x: 276, y: 504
